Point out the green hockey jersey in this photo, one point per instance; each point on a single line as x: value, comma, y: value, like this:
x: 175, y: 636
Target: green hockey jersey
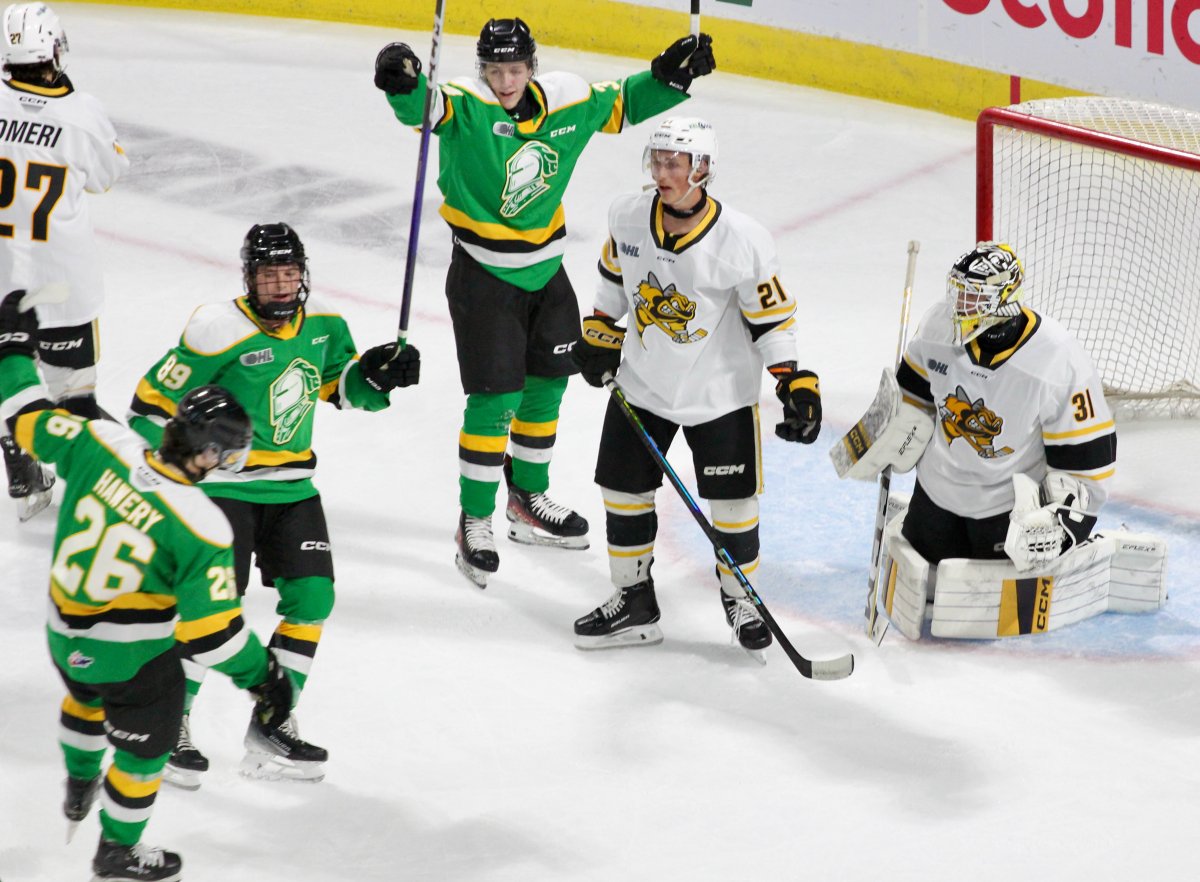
x: 504, y: 181
x: 277, y: 376
x: 137, y: 545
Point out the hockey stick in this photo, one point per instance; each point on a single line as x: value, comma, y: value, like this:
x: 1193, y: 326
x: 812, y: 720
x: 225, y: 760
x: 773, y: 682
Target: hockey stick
x: 414, y: 229
x: 874, y: 631
x: 832, y: 669
x: 695, y: 18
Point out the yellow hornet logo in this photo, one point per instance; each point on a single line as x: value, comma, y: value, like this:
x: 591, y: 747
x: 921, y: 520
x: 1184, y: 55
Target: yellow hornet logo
x: 668, y: 310
x: 972, y: 421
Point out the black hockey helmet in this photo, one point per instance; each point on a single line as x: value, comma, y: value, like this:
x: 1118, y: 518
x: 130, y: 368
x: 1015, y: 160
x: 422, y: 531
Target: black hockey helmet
x: 208, y: 419
x: 506, y: 39
x: 273, y: 245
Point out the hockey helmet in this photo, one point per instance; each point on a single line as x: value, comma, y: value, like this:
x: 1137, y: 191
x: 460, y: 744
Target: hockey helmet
x: 983, y: 289
x: 506, y: 39
x: 207, y: 420
x: 273, y: 245
x: 685, y: 134
x: 33, y: 34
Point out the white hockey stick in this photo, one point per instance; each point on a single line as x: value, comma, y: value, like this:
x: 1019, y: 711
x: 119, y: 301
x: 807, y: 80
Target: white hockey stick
x: 874, y: 630
x: 55, y: 292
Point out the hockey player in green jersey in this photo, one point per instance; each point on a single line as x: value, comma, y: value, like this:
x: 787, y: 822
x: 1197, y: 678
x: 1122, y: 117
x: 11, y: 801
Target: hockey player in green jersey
x: 278, y: 354
x: 508, y: 143
x: 137, y: 549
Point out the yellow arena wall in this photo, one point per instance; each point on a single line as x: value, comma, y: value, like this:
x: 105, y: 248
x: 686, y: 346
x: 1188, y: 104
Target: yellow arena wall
x: 743, y: 48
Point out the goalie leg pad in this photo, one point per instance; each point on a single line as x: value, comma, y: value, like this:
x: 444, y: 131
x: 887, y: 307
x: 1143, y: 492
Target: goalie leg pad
x: 905, y: 578
x: 893, y: 432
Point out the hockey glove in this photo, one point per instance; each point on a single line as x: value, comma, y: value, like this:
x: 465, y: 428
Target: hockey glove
x: 18, y: 330
x: 684, y: 59
x: 273, y: 696
x: 800, y: 393
x: 388, y: 367
x: 396, y: 69
x: 598, y: 350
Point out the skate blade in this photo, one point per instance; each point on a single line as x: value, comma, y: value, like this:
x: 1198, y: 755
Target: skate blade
x: 184, y: 779
x: 72, y: 829
x: 269, y: 767
x: 522, y: 533
x: 759, y: 655
x: 477, y: 576
x: 643, y: 635
x: 174, y: 877
x: 29, y: 506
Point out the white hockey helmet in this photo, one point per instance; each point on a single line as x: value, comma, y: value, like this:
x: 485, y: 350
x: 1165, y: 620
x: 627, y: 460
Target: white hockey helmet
x: 983, y: 289
x: 33, y: 34
x: 690, y: 135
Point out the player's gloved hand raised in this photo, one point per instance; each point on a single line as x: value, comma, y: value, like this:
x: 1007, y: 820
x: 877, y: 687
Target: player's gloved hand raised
x: 684, y: 59
x: 388, y: 367
x: 598, y: 350
x: 18, y: 330
x: 273, y: 696
x: 800, y: 393
x: 396, y: 69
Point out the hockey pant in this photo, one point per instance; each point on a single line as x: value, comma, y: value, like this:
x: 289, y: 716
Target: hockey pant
x: 524, y: 423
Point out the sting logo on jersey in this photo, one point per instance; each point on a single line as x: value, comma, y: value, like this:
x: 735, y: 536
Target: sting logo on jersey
x: 527, y: 169
x: 666, y: 309
x: 972, y: 421
x: 292, y: 398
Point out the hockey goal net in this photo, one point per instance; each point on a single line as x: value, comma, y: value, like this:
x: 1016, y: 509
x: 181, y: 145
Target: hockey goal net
x: 1100, y: 198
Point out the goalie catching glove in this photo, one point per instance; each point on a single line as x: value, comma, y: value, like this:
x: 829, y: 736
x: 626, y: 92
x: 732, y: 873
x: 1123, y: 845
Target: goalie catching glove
x: 1047, y: 520
x: 686, y: 58
x: 800, y: 394
x: 598, y: 350
x: 388, y: 367
x: 397, y: 69
x: 892, y: 432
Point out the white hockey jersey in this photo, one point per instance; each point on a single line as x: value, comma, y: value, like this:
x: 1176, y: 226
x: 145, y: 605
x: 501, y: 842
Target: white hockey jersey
x: 55, y: 144
x: 706, y: 310
x: 1036, y: 405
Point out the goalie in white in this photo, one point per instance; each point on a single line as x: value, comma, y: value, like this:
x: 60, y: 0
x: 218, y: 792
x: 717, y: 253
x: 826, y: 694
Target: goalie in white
x: 1017, y: 469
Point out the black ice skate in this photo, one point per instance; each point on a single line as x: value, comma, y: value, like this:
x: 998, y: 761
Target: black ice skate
x: 277, y: 753
x: 476, y: 556
x: 81, y: 795
x: 536, y: 519
x: 29, y: 481
x: 749, y: 629
x: 134, y: 863
x: 628, y: 618
x: 187, y: 763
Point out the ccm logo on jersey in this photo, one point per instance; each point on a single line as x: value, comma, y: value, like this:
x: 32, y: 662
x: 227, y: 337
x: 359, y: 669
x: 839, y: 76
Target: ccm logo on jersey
x: 564, y: 348
x: 564, y: 131
x: 60, y: 345
x: 725, y: 469
x: 314, y: 545
x: 262, y: 356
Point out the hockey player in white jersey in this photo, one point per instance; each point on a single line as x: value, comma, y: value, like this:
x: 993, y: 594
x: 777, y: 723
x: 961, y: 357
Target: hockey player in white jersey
x: 699, y: 285
x: 57, y: 144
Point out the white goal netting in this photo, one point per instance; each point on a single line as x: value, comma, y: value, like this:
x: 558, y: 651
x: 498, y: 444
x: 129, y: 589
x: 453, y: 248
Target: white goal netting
x: 1110, y: 240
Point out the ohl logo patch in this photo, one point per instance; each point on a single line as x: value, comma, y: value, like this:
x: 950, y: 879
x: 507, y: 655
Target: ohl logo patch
x: 528, y: 170
x: 292, y: 398
x: 667, y: 309
x: 973, y: 421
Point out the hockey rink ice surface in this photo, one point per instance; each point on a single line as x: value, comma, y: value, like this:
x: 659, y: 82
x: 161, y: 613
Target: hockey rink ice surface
x: 469, y: 739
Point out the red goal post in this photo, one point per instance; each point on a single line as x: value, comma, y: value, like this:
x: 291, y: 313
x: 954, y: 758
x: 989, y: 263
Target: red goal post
x: 1100, y: 198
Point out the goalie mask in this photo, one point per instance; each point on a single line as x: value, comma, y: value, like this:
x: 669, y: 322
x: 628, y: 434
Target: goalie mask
x: 685, y: 135
x: 984, y: 289
x: 280, y: 297
x: 209, y: 423
x: 506, y: 39
x: 34, y: 35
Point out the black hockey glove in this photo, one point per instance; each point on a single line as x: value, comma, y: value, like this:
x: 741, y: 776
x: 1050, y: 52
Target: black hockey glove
x: 684, y: 59
x: 273, y: 696
x: 800, y: 393
x: 598, y: 350
x: 388, y: 367
x: 18, y: 330
x: 396, y: 69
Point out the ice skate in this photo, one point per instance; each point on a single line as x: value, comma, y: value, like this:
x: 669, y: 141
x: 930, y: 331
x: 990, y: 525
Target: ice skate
x: 749, y: 629
x: 29, y: 482
x: 134, y: 863
x: 476, y: 557
x: 628, y: 618
x: 536, y: 519
x: 187, y: 763
x: 277, y: 753
x: 81, y: 795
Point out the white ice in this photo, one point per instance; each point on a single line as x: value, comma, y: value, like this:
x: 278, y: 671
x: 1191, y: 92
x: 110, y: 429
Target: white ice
x: 470, y: 740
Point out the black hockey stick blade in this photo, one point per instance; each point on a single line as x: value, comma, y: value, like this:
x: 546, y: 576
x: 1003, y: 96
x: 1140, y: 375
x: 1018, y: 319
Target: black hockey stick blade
x: 821, y: 669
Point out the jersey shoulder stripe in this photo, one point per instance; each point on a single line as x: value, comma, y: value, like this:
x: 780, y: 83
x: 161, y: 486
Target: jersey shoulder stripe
x: 217, y: 327
x: 562, y: 90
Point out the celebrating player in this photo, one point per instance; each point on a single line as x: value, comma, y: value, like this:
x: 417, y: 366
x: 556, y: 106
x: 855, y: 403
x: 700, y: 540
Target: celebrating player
x: 58, y: 143
x: 138, y: 546
x: 278, y: 354
x: 700, y: 285
x: 509, y: 141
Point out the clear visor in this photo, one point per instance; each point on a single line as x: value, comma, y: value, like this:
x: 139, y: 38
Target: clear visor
x: 231, y: 459
x: 656, y: 162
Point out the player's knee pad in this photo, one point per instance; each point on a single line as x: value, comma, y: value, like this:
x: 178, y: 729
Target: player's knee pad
x: 308, y: 599
x: 630, y: 524
x: 737, y: 522
x: 541, y: 398
x: 906, y: 581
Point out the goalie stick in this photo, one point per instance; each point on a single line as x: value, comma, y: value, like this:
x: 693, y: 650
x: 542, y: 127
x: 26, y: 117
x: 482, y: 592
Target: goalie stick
x: 874, y: 631
x: 414, y: 229
x: 831, y: 669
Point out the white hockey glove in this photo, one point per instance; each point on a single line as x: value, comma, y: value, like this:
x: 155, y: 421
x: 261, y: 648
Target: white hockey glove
x: 1036, y: 534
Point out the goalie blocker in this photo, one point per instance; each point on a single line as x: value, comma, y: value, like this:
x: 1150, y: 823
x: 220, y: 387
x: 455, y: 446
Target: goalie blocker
x: 893, y: 432
x: 984, y: 599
